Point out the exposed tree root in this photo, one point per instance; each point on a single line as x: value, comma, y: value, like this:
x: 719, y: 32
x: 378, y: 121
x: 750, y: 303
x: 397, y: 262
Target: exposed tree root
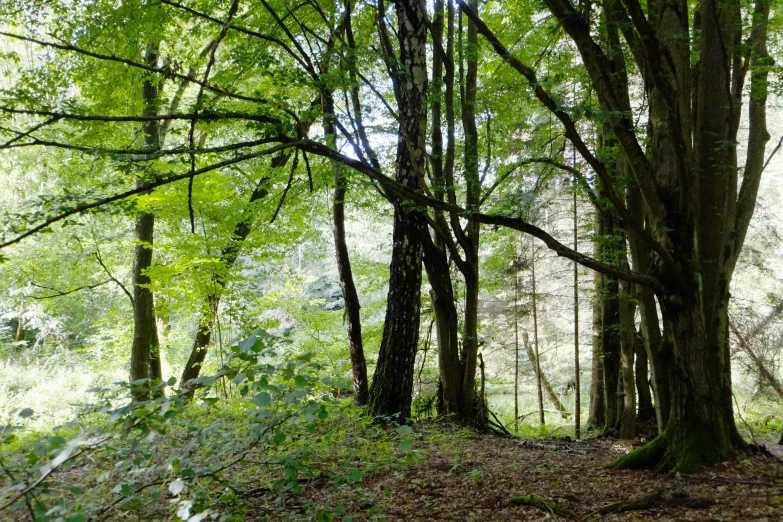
x: 650, y: 501
x: 684, y: 452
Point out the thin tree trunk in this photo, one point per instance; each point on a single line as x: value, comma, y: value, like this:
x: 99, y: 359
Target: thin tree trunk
x: 516, y: 348
x: 144, y: 331
x: 535, y: 360
x: 646, y: 413
x: 627, y: 419
x: 436, y: 259
x: 228, y: 257
x: 541, y: 376
x: 577, y: 384
x: 470, y: 240
x: 350, y: 295
x: 597, y: 414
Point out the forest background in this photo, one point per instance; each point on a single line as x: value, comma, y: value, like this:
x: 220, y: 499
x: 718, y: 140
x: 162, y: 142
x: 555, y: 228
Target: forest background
x: 146, y: 228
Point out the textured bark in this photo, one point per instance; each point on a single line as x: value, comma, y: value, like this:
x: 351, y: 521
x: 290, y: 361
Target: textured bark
x: 597, y: 414
x: 143, y: 319
x: 391, y: 390
x: 144, y: 330
x: 626, y: 425
x: 646, y: 411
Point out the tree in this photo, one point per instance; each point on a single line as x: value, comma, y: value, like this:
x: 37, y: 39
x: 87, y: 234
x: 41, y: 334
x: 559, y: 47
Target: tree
x: 698, y: 217
x: 392, y: 385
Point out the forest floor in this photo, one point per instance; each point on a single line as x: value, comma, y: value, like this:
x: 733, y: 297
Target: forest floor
x: 460, y: 475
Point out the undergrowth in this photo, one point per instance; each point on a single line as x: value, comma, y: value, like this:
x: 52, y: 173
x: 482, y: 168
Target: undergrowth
x: 201, y: 459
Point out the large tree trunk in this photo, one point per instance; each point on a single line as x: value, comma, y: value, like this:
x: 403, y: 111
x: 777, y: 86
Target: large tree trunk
x: 700, y: 427
x: 391, y: 390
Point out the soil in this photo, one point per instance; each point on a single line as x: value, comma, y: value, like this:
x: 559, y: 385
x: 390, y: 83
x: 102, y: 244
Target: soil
x: 468, y: 476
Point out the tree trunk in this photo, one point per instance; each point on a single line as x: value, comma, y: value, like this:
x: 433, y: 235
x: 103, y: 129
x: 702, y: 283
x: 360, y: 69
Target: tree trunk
x: 347, y: 285
x: 228, y: 257
x: 700, y: 428
x: 626, y: 425
x: 516, y: 348
x: 470, y: 239
x: 535, y: 359
x: 143, y: 318
x: 577, y: 384
x: 597, y: 414
x: 646, y: 413
x: 391, y: 390
x: 446, y: 323
x: 144, y: 330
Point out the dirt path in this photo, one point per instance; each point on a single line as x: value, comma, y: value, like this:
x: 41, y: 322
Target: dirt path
x: 464, y: 476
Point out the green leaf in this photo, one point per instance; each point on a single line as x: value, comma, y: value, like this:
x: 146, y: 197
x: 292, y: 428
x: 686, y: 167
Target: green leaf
x: 25, y: 413
x: 263, y: 399
x: 323, y: 516
x: 405, y: 446
x: 279, y: 437
x: 404, y: 430
x: 355, y: 475
x: 78, y: 517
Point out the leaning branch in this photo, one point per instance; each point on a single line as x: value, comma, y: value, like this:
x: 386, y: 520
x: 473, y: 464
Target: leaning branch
x: 207, y: 116
x: 571, y: 133
x: 166, y: 72
x: 78, y: 209
x: 406, y: 193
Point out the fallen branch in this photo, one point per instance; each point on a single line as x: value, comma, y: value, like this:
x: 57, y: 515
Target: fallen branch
x: 530, y: 500
x: 650, y: 501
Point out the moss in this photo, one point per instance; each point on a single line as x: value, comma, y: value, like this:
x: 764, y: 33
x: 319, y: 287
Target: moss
x: 643, y: 457
x: 684, y: 449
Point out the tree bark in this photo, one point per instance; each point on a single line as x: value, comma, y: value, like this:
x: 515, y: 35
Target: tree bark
x: 350, y: 295
x: 597, y: 413
x: 391, y: 390
x: 144, y: 331
x: 473, y: 195
x: 646, y: 411
x: 577, y: 384
x: 626, y: 425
